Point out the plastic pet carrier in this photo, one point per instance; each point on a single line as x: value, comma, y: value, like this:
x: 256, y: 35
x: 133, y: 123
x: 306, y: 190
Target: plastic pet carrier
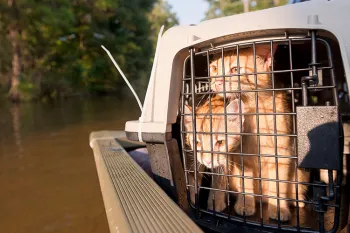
x: 246, y: 121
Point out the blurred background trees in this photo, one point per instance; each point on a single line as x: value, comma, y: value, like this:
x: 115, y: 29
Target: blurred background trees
x: 220, y: 8
x: 51, y: 49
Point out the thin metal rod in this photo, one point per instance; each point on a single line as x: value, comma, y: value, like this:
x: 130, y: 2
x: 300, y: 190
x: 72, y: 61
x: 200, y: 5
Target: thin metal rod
x: 211, y: 130
x: 194, y: 125
x: 250, y: 44
x: 263, y: 195
x: 330, y: 63
x: 241, y: 145
x: 182, y: 127
x: 261, y: 72
x: 225, y: 113
x: 267, y: 179
x: 275, y: 137
x: 313, y: 53
x: 321, y: 222
x: 244, y: 154
x: 258, y: 133
x: 245, y: 114
x: 240, y: 111
x: 294, y: 130
x: 248, y: 134
x: 265, y: 90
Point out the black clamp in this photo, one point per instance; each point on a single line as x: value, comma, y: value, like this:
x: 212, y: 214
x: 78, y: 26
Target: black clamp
x: 320, y: 191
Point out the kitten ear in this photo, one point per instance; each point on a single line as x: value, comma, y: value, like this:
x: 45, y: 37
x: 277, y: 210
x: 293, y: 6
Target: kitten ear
x: 264, y: 51
x: 233, y: 107
x: 187, y: 118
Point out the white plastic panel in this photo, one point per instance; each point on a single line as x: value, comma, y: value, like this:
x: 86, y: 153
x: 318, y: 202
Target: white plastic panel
x: 161, y: 111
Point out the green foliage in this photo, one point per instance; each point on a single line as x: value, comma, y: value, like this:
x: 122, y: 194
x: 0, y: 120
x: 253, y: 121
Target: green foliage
x: 61, y: 40
x: 28, y: 90
x: 161, y: 15
x: 220, y: 8
x: 5, y: 57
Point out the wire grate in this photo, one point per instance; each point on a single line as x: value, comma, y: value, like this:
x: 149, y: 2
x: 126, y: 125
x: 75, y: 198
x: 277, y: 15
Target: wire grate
x: 239, y: 132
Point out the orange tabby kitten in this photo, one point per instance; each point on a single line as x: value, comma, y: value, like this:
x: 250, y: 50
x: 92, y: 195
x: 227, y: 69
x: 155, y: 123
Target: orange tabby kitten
x: 216, y: 143
x: 265, y: 126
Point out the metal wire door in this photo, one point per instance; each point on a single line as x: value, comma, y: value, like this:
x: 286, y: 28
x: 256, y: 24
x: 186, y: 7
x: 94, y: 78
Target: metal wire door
x: 306, y: 78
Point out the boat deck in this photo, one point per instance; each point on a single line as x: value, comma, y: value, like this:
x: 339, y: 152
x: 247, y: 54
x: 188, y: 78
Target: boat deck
x: 133, y: 201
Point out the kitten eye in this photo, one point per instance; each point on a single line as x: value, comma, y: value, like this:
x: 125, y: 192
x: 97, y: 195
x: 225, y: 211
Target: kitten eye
x: 234, y: 69
x: 220, y: 142
x: 213, y: 68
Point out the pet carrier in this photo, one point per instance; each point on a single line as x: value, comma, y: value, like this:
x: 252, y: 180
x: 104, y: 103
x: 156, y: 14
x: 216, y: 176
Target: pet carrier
x: 246, y: 118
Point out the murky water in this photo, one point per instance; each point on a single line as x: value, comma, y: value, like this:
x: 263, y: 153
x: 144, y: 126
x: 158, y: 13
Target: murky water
x: 48, y: 178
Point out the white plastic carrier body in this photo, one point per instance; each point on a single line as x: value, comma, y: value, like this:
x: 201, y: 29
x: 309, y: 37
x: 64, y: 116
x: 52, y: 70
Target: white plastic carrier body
x: 163, y: 95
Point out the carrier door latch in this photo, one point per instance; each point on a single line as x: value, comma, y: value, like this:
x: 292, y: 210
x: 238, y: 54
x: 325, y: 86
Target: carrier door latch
x: 319, y: 138
x: 319, y: 147
x: 318, y: 127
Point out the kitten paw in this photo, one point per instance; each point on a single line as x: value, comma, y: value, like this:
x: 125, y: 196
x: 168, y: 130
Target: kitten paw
x: 220, y: 206
x: 248, y: 209
x: 284, y: 213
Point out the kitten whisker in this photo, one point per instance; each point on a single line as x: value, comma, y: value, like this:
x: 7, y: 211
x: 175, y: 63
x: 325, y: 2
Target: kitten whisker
x: 200, y: 101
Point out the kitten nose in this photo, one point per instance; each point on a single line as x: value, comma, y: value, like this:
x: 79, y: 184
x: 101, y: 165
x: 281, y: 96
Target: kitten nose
x: 219, y: 81
x: 207, y: 161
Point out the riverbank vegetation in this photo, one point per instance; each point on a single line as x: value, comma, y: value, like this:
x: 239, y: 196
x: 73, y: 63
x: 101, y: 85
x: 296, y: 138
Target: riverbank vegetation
x: 51, y: 49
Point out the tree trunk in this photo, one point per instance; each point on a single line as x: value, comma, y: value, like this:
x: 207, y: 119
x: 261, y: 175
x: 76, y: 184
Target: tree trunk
x: 14, y: 36
x: 246, y: 5
x: 276, y: 2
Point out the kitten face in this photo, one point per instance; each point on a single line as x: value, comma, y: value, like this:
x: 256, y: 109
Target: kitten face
x: 245, y: 66
x: 216, y: 142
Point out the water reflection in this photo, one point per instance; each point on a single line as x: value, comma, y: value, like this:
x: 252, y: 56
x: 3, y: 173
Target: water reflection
x: 16, y: 124
x: 48, y: 177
